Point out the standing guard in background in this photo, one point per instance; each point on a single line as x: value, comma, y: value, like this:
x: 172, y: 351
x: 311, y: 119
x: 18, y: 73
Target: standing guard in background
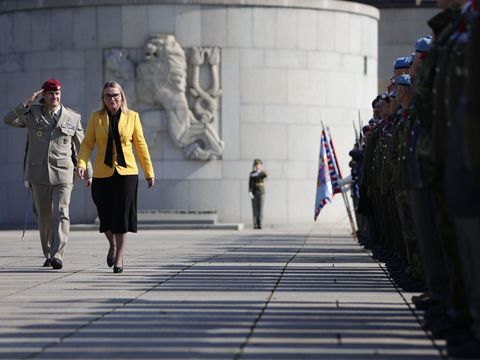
x: 256, y: 190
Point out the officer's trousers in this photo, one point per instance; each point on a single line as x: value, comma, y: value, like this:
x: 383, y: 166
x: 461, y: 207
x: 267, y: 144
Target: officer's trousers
x: 52, y: 207
x: 257, y: 207
x: 404, y: 208
x: 380, y: 218
x: 468, y: 230
x: 435, y: 268
x: 449, y: 242
x: 394, y: 243
x: 362, y: 227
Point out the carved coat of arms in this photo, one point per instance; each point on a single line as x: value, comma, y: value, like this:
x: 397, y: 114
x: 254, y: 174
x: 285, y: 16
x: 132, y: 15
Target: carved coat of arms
x: 160, y: 80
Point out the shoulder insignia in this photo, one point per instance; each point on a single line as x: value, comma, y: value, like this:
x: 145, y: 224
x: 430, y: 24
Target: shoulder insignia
x: 74, y: 111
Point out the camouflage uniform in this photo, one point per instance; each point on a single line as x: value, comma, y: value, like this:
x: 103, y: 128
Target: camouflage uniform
x: 399, y: 151
x: 391, y: 226
x: 369, y: 188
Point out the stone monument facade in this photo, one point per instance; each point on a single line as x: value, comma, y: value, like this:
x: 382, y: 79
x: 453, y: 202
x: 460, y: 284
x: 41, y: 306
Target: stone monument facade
x: 159, y: 79
x: 243, y: 80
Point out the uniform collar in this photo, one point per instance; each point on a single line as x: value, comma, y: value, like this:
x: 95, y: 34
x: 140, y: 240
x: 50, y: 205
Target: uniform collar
x: 57, y: 111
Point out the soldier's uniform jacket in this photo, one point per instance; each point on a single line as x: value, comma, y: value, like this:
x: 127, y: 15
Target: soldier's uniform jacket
x: 413, y: 171
x: 399, y: 151
x: 447, y: 90
x: 369, y: 170
x: 464, y: 200
x: 382, y: 158
x: 52, y: 149
x: 443, y: 25
x: 256, y: 182
x: 472, y: 105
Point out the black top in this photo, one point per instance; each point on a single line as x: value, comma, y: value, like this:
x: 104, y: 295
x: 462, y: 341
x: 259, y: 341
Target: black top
x: 114, y: 137
x: 256, y: 183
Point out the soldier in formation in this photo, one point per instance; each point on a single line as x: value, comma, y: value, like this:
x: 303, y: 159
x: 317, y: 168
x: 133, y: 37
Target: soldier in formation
x: 418, y: 189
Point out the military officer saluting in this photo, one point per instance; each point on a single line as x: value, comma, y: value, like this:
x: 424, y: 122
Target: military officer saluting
x: 53, y: 139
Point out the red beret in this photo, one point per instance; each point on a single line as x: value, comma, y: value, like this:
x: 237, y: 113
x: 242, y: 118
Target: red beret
x: 51, y: 85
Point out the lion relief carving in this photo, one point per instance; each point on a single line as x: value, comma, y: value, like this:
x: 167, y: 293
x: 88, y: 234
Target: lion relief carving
x: 160, y: 80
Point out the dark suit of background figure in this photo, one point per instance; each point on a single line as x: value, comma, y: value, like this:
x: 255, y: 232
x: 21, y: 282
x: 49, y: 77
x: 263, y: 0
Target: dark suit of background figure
x: 462, y: 185
x: 256, y: 187
x: 53, y: 142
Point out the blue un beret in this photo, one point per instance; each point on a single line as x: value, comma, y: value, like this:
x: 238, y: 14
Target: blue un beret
x: 403, y: 62
x: 404, y: 80
x: 423, y: 44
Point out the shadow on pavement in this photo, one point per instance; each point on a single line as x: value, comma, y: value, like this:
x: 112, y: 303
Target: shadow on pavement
x: 262, y: 300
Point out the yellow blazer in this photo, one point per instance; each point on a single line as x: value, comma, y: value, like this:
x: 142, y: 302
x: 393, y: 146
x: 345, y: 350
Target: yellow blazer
x: 130, y: 130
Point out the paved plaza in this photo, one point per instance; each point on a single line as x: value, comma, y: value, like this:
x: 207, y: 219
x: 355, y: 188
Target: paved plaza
x: 206, y: 294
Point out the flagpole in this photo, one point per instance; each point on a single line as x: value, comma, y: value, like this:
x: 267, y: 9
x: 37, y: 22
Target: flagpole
x: 345, y: 199
x: 349, y: 213
x: 334, y: 153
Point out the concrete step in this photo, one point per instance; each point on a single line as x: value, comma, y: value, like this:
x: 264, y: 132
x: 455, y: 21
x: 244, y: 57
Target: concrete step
x: 174, y: 217
x: 152, y: 226
x: 177, y: 217
x: 173, y: 220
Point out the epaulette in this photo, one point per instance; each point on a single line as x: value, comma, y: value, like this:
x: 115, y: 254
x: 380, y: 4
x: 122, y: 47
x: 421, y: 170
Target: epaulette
x: 74, y: 111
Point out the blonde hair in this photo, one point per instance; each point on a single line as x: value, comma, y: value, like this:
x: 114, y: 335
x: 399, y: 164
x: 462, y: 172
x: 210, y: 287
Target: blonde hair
x: 114, y: 84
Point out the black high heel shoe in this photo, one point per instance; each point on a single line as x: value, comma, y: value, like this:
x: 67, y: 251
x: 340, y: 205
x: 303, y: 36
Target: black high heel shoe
x: 118, y: 269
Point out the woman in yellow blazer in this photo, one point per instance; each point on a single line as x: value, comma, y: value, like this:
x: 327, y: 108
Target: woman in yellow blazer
x: 114, y: 129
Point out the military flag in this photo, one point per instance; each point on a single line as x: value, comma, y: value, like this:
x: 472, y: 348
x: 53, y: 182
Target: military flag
x: 333, y: 167
x: 324, y: 183
x: 328, y: 174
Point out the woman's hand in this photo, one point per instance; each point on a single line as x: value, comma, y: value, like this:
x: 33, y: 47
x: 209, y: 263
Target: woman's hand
x: 81, y: 173
x: 150, y: 182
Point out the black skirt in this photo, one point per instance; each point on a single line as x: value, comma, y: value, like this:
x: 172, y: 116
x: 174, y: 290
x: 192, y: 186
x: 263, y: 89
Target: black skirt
x: 116, y: 201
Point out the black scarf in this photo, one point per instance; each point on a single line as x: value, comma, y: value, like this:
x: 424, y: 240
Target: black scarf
x: 113, y: 135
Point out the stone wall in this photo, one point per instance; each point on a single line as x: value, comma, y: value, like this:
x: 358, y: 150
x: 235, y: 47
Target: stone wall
x: 284, y: 70
x: 398, y: 30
